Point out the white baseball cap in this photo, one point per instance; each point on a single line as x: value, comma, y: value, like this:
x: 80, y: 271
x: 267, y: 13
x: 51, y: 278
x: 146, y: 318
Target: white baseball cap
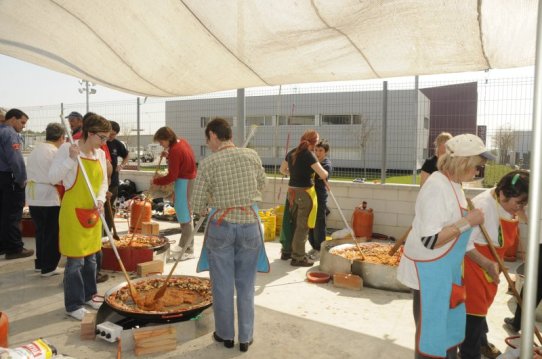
x: 468, y: 145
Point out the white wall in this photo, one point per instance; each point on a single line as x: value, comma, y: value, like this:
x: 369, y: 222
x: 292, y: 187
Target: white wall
x: 393, y: 204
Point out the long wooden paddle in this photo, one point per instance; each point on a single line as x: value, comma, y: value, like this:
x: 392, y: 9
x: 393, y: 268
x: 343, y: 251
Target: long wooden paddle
x: 133, y: 291
x: 503, y: 269
x: 347, y: 225
x: 160, y: 293
x: 399, y: 242
x: 110, y: 210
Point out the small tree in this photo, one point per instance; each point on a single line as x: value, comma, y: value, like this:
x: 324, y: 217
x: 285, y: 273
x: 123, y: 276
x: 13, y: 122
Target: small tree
x: 362, y: 135
x: 504, y: 140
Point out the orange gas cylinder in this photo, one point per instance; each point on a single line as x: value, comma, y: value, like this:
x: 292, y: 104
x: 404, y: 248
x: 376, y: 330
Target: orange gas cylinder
x: 4, y: 328
x: 138, y: 206
x: 362, y: 221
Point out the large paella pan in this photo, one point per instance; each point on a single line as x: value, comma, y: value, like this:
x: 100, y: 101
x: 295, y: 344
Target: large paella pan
x: 186, y: 297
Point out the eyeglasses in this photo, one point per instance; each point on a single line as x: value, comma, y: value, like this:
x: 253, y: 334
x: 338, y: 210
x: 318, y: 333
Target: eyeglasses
x: 103, y: 138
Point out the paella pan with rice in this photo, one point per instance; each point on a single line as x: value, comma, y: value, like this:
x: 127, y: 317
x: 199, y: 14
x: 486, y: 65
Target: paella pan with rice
x: 185, y: 297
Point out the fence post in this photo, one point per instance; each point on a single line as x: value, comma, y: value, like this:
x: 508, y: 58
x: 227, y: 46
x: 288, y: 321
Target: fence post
x: 138, y: 142
x: 241, y: 106
x: 384, y: 131
x: 416, y: 121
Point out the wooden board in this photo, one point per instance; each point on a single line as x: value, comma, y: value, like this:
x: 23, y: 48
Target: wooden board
x: 146, y: 268
x: 157, y: 339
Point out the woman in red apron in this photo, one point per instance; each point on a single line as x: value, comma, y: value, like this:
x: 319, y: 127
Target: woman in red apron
x: 435, y: 248
x: 501, y: 206
x: 79, y: 220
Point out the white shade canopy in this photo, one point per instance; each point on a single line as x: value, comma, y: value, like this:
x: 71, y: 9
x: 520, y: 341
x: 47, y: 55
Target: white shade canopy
x: 187, y: 47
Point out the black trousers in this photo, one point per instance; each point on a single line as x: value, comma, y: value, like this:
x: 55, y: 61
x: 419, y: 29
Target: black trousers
x: 12, y: 199
x: 317, y: 235
x: 46, y: 221
x: 517, y: 314
x: 474, y: 334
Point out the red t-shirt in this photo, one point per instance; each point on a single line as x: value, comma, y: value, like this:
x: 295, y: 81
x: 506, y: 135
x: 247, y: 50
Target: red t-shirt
x: 181, y: 163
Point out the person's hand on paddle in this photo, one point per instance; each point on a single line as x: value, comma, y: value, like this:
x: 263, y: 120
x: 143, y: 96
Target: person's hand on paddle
x: 74, y: 152
x: 475, y: 217
x: 100, y: 206
x: 492, y: 269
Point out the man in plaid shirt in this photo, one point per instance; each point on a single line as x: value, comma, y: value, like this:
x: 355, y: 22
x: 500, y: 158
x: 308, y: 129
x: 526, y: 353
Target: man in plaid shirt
x: 229, y: 182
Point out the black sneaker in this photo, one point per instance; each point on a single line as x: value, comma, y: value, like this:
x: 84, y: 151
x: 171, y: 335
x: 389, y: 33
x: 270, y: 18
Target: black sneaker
x: 244, y: 346
x: 22, y: 254
x: 509, y: 325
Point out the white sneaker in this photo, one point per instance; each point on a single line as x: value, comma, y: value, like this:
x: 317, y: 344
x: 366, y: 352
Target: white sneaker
x: 56, y: 271
x: 314, y: 254
x: 93, y: 304
x: 78, y: 314
x: 187, y: 256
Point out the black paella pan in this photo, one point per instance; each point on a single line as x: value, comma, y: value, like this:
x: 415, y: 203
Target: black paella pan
x: 128, y: 308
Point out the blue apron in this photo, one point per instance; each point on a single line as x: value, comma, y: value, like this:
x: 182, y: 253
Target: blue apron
x: 442, y: 293
x: 263, y: 261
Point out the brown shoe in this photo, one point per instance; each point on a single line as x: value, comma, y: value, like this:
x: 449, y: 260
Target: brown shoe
x: 22, y: 254
x: 305, y: 262
x: 489, y: 350
x: 101, y: 277
x: 285, y: 256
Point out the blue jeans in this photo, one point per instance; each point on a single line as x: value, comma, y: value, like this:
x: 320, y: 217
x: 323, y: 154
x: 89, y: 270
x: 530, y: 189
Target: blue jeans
x: 79, y: 281
x: 233, y: 254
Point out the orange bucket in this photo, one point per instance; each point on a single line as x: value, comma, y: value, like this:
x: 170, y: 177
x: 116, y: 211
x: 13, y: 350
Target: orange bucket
x: 4, y: 327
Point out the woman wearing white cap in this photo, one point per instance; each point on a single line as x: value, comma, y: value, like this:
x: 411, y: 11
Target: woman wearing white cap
x: 436, y: 245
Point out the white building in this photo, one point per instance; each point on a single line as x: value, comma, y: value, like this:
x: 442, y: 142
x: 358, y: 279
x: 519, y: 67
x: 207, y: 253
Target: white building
x: 341, y: 118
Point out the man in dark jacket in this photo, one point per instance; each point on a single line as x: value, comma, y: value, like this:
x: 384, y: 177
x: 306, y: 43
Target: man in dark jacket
x: 12, y: 185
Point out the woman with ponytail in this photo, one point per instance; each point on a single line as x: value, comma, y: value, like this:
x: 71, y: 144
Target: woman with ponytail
x: 301, y: 164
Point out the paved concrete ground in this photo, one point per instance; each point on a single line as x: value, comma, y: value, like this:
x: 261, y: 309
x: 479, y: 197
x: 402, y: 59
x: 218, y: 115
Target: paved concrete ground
x: 294, y: 318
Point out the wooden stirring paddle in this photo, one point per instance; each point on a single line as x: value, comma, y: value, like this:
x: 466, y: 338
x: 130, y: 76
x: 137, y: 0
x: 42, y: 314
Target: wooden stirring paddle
x: 160, y: 293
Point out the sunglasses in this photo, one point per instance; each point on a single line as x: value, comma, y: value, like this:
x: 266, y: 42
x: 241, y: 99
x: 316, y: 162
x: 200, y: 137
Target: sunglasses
x: 103, y: 138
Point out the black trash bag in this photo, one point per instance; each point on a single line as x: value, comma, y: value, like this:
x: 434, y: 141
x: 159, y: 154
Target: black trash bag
x: 127, y: 189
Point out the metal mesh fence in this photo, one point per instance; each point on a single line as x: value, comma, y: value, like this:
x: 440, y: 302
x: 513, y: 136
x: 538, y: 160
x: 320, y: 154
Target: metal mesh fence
x: 378, y: 131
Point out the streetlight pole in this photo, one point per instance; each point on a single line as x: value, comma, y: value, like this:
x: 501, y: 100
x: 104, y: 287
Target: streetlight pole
x: 87, y: 90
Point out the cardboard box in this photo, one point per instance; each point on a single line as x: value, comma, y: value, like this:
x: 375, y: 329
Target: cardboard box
x: 155, y: 266
x: 150, y: 228
x: 130, y: 257
x: 348, y: 281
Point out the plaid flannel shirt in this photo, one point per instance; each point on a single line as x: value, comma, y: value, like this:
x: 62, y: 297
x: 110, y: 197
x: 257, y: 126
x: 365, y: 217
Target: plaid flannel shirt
x: 230, y: 178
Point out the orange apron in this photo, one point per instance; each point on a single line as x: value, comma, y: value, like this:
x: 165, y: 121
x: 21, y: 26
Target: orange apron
x: 481, y: 289
x: 79, y: 223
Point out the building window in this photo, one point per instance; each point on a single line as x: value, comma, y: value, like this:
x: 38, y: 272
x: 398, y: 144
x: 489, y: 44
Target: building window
x: 341, y: 120
x: 296, y: 120
x: 205, y: 120
x: 259, y: 120
x: 336, y: 119
x: 425, y: 153
x: 426, y: 123
x: 203, y: 151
